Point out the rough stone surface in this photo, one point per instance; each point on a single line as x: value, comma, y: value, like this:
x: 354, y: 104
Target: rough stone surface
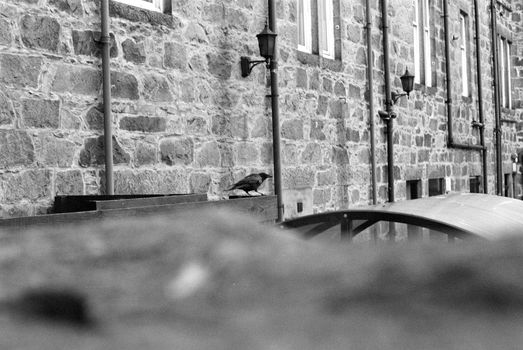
x: 40, y: 32
x: 55, y: 152
x: 41, y: 113
x: 175, y: 56
x: 29, y: 184
x: 175, y: 151
x: 20, y: 71
x: 7, y: 112
x: 156, y: 88
x: 93, y: 153
x: 133, y: 51
x: 200, y: 182
x: 87, y: 43
x: 124, y: 86
x: 77, y: 80
x: 18, y: 149
x: 5, y: 32
x: 69, y: 182
x: 176, y: 76
x: 143, y: 124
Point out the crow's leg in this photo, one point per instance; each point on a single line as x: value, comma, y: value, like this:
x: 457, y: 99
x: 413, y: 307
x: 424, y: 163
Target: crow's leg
x: 247, y: 193
x: 259, y: 193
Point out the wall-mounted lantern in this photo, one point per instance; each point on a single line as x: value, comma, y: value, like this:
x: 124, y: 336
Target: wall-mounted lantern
x: 407, y: 83
x: 266, y: 43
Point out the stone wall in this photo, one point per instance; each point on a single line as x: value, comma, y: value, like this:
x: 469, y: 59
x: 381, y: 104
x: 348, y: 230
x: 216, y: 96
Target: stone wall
x: 185, y: 120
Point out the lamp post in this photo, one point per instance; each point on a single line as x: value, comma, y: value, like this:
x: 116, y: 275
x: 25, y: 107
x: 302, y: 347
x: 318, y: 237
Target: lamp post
x: 267, y: 46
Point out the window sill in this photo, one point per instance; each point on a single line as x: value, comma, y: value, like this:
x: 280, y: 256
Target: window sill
x: 319, y: 61
x: 137, y: 14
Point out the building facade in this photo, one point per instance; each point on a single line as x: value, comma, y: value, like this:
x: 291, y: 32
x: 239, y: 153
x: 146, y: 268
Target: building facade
x: 184, y: 120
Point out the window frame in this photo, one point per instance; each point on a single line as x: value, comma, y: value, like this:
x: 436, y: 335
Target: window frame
x: 155, y: 5
x: 464, y: 50
x: 326, y: 28
x: 505, y: 69
x: 421, y: 26
x: 307, y: 25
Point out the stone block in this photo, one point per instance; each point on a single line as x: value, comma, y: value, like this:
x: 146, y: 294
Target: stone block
x: 17, y: 148
x: 173, y: 181
x: 339, y: 89
x: 93, y: 153
x: 124, y: 85
x: 220, y: 65
x: 145, y: 153
x: 292, y: 129
x: 143, y: 123
x: 199, y: 182
x: 156, y: 88
x: 195, y: 32
x: 54, y: 152
x: 6, y: 31
x: 41, y: 113
x: 177, y: 151
x: 134, y: 52
x: 7, y: 112
x: 86, y: 42
x: 95, y: 118
x: 289, y: 154
x: 317, y: 130
x: 40, y: 32
x: 77, y: 80
x: 20, y: 71
x: 337, y: 109
x: 311, y: 154
x: 29, y: 185
x: 325, y: 178
x: 248, y: 153
x: 69, y: 182
x: 127, y: 181
x: 197, y: 126
x: 340, y: 155
x: 353, y: 135
x: 209, y: 155
x: 301, y: 78
x: 230, y: 126
x: 175, y: 56
x: 71, y: 6
x: 226, y: 154
x: 299, y: 177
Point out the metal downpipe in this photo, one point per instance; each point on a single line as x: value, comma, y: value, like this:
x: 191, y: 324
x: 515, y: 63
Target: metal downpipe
x: 388, y: 101
x: 370, y: 78
x: 448, y: 76
x: 497, y: 100
x: 480, y: 99
x: 105, y: 40
x: 275, y: 115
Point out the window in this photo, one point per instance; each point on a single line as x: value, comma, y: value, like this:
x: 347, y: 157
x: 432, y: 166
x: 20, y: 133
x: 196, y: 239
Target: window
x: 422, y: 43
x: 505, y: 50
x: 436, y: 187
x: 316, y: 27
x: 464, y: 42
x: 474, y: 183
x: 413, y: 189
x: 153, y: 5
x: 304, y: 26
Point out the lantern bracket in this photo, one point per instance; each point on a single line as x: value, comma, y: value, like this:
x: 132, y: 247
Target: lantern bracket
x: 247, y: 65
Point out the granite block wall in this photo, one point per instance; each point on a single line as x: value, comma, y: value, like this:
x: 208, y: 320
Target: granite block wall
x: 185, y: 120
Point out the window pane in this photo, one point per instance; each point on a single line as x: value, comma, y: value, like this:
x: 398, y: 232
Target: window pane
x: 304, y: 25
x: 417, y: 44
x: 464, y: 59
x: 326, y: 28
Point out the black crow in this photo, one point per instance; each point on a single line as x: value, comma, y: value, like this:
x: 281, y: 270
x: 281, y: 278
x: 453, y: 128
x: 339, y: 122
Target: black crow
x: 250, y: 183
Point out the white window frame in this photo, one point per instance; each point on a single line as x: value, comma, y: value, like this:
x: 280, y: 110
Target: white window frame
x: 156, y: 5
x: 304, y: 7
x: 465, y: 90
x: 506, y: 84
x: 417, y: 49
x: 326, y: 28
x: 426, y: 43
x: 422, y: 43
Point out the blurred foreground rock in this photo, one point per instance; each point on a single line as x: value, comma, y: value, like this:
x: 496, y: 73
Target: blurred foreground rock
x: 213, y: 281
